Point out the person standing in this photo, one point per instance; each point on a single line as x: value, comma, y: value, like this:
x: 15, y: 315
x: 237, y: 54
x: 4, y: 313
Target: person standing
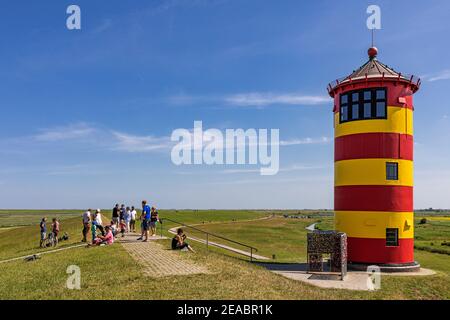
x: 115, y: 215
x: 86, y: 224
x: 43, y: 228
x: 146, y: 215
x: 154, y: 218
x: 55, y: 230
x: 122, y: 212
x: 127, y: 218
x: 97, y: 221
x: 133, y: 214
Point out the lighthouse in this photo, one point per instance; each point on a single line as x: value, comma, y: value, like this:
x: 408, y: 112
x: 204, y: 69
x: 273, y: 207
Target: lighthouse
x: 373, y: 191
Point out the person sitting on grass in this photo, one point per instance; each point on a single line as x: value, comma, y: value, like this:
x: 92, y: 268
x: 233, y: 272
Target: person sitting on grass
x: 107, y: 239
x: 55, y: 230
x: 179, y: 241
x: 43, y: 227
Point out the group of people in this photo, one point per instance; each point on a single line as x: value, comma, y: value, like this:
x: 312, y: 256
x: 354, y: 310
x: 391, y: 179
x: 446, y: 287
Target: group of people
x: 123, y: 220
x: 54, y: 231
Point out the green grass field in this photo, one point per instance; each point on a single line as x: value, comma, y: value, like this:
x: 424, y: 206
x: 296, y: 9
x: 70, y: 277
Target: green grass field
x: 110, y: 273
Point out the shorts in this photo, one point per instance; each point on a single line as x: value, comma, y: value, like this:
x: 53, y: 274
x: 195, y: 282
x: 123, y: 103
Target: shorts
x: 145, y: 225
x: 152, y: 224
x: 43, y: 235
x: 115, y: 219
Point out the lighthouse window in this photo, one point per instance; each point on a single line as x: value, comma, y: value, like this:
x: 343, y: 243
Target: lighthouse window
x: 367, y: 110
x: 381, y: 94
x: 344, y: 113
x: 381, y: 109
x: 392, y: 237
x: 355, y: 111
x: 391, y: 171
x: 363, y: 104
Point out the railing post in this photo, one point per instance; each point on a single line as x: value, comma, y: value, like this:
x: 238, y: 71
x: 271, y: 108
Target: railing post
x: 207, y: 241
x: 251, y: 254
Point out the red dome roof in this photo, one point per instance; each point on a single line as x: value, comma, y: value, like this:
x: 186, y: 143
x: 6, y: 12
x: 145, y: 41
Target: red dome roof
x: 374, y: 70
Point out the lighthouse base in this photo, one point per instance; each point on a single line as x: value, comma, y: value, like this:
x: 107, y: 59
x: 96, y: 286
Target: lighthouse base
x: 387, y: 267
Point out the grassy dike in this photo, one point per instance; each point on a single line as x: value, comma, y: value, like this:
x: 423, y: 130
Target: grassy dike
x: 110, y: 273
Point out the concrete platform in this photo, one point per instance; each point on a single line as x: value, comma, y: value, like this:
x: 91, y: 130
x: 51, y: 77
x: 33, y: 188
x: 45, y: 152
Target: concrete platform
x: 354, y: 280
x: 388, y: 268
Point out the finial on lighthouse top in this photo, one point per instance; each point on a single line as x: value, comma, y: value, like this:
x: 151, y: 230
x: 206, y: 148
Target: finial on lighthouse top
x: 373, y: 51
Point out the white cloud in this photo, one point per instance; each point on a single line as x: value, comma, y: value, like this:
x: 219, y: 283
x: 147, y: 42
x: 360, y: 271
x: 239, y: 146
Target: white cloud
x: 251, y: 99
x: 105, y: 25
x: 132, y: 143
x: 264, y: 99
x: 294, y: 142
x: 72, y: 131
x: 441, y: 75
x: 296, y: 167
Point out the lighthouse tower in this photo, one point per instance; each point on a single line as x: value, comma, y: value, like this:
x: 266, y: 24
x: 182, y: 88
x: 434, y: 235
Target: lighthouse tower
x: 373, y: 194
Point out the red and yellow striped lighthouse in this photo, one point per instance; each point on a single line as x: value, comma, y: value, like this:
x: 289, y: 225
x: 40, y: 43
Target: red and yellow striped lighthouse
x: 373, y: 195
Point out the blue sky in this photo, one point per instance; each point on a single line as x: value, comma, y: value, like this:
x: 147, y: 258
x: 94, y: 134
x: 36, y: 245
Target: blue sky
x: 86, y: 115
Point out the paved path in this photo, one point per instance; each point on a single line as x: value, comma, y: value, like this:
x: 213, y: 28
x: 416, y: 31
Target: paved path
x: 311, y: 227
x: 219, y: 245
x: 157, y: 260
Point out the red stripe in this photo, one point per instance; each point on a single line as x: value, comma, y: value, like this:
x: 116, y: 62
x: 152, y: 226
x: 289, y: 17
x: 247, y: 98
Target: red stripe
x: 362, y: 250
x: 374, y: 145
x: 394, y: 92
x: 373, y: 198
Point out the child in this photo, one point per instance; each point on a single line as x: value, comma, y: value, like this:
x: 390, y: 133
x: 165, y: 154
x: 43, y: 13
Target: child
x: 113, y: 228
x: 123, y: 227
x: 94, y: 233
x: 55, y: 230
x: 43, y: 227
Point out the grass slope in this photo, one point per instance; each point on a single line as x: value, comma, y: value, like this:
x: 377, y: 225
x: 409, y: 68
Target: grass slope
x: 110, y: 273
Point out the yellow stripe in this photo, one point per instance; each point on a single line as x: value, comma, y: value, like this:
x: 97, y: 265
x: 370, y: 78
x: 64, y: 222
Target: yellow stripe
x: 399, y: 120
x: 373, y: 224
x: 371, y: 172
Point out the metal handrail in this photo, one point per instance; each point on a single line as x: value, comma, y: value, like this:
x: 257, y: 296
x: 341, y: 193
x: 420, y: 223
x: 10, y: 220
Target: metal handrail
x: 252, y: 249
